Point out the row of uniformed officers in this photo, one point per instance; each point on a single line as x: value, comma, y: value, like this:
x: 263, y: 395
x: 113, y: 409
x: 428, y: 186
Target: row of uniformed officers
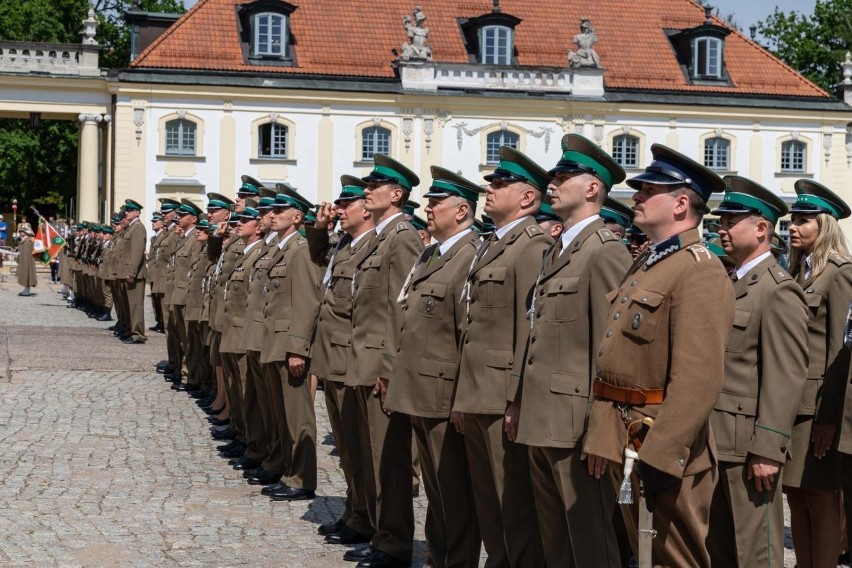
x: 523, y: 365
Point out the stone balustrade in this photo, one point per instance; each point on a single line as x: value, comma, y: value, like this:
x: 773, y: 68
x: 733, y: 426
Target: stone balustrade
x: 49, y: 58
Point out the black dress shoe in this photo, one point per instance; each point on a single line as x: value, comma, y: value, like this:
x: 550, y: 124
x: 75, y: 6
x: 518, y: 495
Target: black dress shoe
x: 229, y: 446
x: 379, y: 559
x: 226, y: 434
x: 171, y: 377
x: 358, y: 554
x: 113, y: 328
x: 180, y: 387
x: 104, y: 317
x: 326, y: 529
x: 245, y: 463
x: 270, y: 488
x: 292, y: 494
x: 254, y: 472
x: 132, y: 341
x: 197, y: 394
x: 216, y: 422
x: 347, y: 535
x: 264, y: 478
x: 236, y: 452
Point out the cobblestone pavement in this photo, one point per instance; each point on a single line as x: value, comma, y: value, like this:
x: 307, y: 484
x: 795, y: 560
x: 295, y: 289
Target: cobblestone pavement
x: 104, y: 465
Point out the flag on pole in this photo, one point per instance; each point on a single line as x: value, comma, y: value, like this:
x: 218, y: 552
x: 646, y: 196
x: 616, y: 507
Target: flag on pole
x: 48, y: 242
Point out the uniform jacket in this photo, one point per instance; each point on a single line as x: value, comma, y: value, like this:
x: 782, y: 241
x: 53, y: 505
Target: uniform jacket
x: 234, y: 301
x: 226, y: 262
x: 134, y: 261
x: 494, y: 342
x: 331, y: 346
x: 255, y: 326
x: 766, y: 363
x: 376, y: 315
x: 667, y: 329
x: 570, y: 316
x: 195, y: 292
x: 153, y: 257
x: 186, y: 254
x: 26, y: 269
x: 424, y: 375
x: 828, y: 296
x: 163, y: 259
x: 292, y: 301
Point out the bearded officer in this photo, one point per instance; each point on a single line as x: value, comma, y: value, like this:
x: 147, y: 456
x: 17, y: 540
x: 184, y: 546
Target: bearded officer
x: 673, y: 312
x: 569, y: 312
x: 765, y: 370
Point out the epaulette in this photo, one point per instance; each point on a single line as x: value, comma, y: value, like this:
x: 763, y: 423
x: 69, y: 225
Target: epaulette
x: 401, y: 226
x: 700, y: 252
x: 779, y: 274
x: 838, y: 260
x: 606, y: 235
x: 534, y: 230
x: 302, y: 241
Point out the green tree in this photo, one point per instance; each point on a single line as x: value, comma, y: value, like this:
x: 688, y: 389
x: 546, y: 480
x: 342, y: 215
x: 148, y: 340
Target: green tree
x: 813, y: 45
x: 39, y: 166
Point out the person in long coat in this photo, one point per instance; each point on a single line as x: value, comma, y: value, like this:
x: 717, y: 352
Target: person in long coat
x: 26, y: 271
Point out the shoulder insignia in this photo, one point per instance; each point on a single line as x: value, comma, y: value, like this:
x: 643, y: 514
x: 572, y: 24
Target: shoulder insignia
x: 534, y: 230
x: 779, y: 274
x: 607, y: 235
x: 700, y: 252
x: 302, y: 241
x: 401, y: 226
x: 838, y: 260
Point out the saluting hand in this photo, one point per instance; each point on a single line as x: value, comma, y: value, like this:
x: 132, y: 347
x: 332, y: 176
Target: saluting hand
x: 511, y: 419
x: 296, y: 365
x: 763, y: 471
x: 325, y: 216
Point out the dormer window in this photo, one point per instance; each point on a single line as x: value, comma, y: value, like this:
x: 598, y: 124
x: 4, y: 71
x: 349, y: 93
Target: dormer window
x: 265, y: 35
x: 707, y: 57
x: 270, y: 35
x: 496, y: 45
x: 490, y: 39
x: 701, y: 51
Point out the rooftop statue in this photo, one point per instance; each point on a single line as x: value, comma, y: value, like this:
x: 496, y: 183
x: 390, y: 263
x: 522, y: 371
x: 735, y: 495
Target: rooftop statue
x: 416, y: 49
x: 585, y: 56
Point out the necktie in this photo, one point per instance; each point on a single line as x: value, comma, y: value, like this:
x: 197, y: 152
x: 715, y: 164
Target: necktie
x: 436, y: 254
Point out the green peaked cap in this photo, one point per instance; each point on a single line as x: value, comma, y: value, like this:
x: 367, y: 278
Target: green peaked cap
x: 446, y: 183
x: 289, y: 197
x: 616, y: 212
x: 814, y: 198
x: 579, y: 154
x: 352, y: 188
x: 386, y: 169
x: 515, y: 164
x: 743, y: 195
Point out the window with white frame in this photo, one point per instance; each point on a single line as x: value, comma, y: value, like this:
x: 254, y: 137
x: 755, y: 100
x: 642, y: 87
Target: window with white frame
x: 496, y: 139
x: 180, y: 137
x: 270, y: 35
x: 496, y: 45
x: 625, y: 150
x: 793, y: 156
x: 374, y: 140
x: 707, y: 58
x: 717, y: 153
x: 272, y: 140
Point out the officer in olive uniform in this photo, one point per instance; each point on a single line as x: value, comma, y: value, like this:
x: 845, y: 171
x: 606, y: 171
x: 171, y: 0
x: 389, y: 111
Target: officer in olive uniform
x: 134, y: 271
x: 376, y: 318
x: 331, y: 345
x: 568, y: 311
x: 765, y: 369
x: 165, y: 279
x: 617, y: 217
x: 548, y: 219
x: 186, y: 253
x: 424, y: 373
x: 198, y: 360
x: 158, y: 226
x: 497, y: 300
x: 673, y: 312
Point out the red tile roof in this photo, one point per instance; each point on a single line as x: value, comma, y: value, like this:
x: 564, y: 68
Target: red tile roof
x: 355, y: 38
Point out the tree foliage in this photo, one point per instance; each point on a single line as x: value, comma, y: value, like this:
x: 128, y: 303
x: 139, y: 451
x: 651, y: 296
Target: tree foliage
x: 814, y: 45
x: 39, y: 166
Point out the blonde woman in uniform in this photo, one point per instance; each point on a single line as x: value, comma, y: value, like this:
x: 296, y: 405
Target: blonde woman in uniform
x: 821, y: 264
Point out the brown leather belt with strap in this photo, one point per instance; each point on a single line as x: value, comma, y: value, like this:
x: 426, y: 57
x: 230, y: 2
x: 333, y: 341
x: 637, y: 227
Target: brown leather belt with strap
x: 625, y: 395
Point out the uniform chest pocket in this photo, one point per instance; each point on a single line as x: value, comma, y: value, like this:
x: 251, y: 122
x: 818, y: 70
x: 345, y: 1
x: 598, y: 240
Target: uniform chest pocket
x: 371, y: 272
x: 237, y: 281
x: 431, y: 303
x: 277, y: 277
x: 491, y: 290
x: 342, y: 282
x: 562, y: 303
x: 814, y: 301
x: 738, y: 336
x: 642, y: 316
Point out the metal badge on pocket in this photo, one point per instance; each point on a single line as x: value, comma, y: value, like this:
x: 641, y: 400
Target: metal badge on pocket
x: 430, y: 304
x: 637, y: 321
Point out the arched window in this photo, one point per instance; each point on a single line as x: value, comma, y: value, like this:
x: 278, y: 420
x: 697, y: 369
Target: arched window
x: 272, y: 140
x: 270, y: 35
x: 497, y: 139
x: 793, y: 156
x: 717, y: 153
x: 374, y: 140
x: 180, y: 137
x: 707, y: 58
x: 496, y: 45
x: 625, y: 150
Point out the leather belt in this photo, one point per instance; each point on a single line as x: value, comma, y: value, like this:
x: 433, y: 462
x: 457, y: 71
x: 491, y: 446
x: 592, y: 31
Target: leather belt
x: 625, y: 395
